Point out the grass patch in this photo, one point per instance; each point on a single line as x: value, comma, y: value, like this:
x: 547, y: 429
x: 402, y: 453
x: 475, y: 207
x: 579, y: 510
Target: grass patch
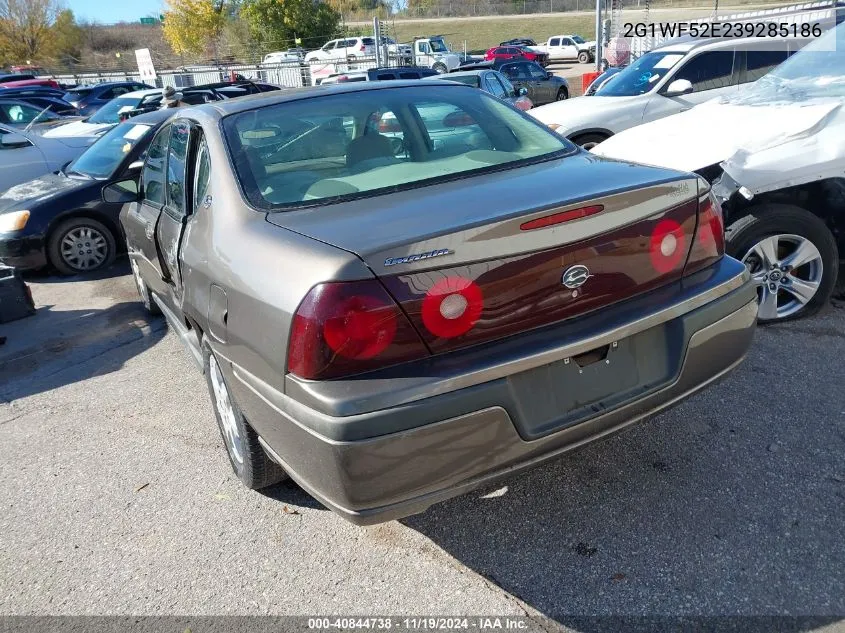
x: 483, y: 32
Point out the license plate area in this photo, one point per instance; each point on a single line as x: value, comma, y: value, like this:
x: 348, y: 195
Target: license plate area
x: 576, y: 389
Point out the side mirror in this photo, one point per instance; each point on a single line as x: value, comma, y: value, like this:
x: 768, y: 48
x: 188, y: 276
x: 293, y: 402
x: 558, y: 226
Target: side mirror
x: 13, y: 140
x: 679, y: 87
x: 136, y: 166
x: 522, y: 92
x: 121, y: 192
x: 549, y: 75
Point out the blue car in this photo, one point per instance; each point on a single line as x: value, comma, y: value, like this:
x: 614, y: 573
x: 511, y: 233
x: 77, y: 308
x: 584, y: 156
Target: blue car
x: 88, y: 99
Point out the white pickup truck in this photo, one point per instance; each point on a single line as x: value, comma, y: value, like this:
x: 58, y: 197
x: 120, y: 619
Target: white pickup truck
x: 432, y: 52
x: 568, y: 48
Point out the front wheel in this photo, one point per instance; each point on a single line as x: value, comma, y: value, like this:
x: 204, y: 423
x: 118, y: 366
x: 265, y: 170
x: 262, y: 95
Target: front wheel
x: 792, y: 257
x: 249, y: 461
x: 589, y: 141
x: 562, y: 95
x: 584, y: 57
x: 440, y: 69
x: 81, y: 245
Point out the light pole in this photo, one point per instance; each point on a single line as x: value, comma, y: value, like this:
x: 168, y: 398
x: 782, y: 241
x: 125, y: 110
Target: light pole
x: 598, y: 35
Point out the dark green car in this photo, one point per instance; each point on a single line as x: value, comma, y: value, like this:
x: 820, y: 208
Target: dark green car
x: 543, y: 87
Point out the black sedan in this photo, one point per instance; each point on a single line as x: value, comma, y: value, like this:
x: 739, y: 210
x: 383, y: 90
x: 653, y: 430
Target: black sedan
x: 542, y: 86
x: 62, y: 220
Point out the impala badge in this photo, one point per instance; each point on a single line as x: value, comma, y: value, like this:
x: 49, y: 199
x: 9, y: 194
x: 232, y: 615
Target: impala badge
x: 575, y: 277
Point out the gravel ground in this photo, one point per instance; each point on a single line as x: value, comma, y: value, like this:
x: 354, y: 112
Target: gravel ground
x: 117, y: 497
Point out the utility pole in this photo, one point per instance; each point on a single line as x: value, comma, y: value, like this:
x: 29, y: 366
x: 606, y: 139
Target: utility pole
x: 598, y: 35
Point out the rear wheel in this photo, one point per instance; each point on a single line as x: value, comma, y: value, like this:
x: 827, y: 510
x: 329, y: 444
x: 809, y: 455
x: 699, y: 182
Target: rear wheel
x: 589, y: 141
x: 249, y: 461
x: 81, y: 245
x: 440, y: 69
x: 562, y: 95
x: 792, y: 256
x: 584, y: 57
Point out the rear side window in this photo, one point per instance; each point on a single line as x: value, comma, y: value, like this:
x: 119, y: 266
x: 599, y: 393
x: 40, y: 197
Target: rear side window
x: 177, y: 154
x: 708, y: 71
x: 758, y: 63
x: 494, y: 86
x: 203, y: 171
x: 368, y: 41
x: 555, y: 41
x: 153, y: 174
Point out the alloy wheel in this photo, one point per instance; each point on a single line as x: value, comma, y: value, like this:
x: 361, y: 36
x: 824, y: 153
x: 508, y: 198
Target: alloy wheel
x: 84, y: 248
x: 228, y: 422
x: 788, y: 271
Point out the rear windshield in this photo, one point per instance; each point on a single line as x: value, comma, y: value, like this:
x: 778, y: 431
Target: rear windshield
x: 110, y: 113
x: 344, y: 146
x: 77, y: 94
x: 368, y: 41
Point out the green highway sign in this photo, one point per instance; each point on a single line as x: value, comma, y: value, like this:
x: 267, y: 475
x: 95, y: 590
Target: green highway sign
x: 148, y: 20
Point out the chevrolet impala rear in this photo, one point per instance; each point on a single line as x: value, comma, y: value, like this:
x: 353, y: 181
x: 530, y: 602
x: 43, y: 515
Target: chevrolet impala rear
x: 404, y: 293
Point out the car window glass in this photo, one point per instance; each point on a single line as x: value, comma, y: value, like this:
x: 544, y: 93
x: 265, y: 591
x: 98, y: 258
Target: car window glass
x: 202, y: 171
x: 353, y: 144
x: 708, y: 71
x: 509, y: 88
x: 536, y: 71
x: 555, y: 41
x: 566, y: 42
x: 758, y: 63
x: 177, y: 153
x: 153, y: 174
x: 20, y: 113
x: 494, y: 87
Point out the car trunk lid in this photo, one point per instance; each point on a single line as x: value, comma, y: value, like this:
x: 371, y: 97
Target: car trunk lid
x: 519, y: 248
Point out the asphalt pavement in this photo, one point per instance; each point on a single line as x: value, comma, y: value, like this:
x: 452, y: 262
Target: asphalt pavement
x: 117, y: 497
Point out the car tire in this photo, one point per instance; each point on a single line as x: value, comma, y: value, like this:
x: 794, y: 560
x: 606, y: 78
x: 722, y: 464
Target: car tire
x: 246, y: 455
x: 588, y: 141
x: 584, y: 57
x: 143, y: 290
x: 440, y: 69
x: 81, y: 245
x: 562, y: 95
x: 781, y: 229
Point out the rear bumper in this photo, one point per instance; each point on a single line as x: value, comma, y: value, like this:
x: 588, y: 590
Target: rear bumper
x: 24, y: 252
x: 382, y: 475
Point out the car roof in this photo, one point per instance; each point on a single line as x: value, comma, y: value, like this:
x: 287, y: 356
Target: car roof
x: 285, y: 95
x: 467, y: 73
x: 688, y: 43
x: 154, y: 117
x: 104, y: 84
x: 142, y: 93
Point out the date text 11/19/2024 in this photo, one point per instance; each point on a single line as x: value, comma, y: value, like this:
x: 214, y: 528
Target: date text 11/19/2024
x: 492, y: 623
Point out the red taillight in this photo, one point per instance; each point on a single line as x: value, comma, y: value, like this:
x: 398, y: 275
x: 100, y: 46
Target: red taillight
x: 363, y: 48
x: 347, y: 328
x: 560, y: 218
x: 342, y: 79
x: 668, y: 246
x: 709, y: 245
x: 452, y: 307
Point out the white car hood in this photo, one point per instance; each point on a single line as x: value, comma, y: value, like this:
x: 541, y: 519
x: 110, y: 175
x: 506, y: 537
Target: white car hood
x: 762, y: 147
x: 574, y: 113
x: 77, y: 128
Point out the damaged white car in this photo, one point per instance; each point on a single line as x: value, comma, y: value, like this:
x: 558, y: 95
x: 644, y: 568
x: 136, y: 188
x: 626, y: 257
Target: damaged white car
x: 776, y: 157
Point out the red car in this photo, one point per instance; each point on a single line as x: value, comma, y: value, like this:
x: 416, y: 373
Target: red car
x: 516, y: 52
